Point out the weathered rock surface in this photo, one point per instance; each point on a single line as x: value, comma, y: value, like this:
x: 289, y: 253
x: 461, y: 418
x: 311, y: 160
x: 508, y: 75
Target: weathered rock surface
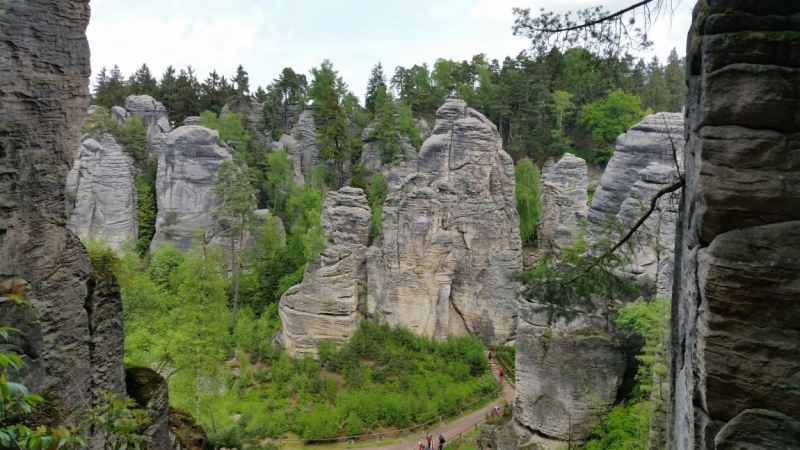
x: 101, y: 195
x: 450, y: 235
x: 371, y: 153
x: 567, y: 376
x: 648, y: 141
x: 154, y: 114
x: 564, y: 203
x: 303, y: 151
x: 253, y: 113
x: 735, y: 326
x: 325, y: 306
x: 184, y: 432
x: 44, y: 59
x: 150, y: 392
x: 188, y: 161
x: 654, y: 243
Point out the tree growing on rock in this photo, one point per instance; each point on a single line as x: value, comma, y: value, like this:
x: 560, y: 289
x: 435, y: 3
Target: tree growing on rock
x: 377, y: 79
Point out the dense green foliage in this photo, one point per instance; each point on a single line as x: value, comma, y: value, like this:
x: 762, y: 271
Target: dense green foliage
x: 382, y: 378
x: 527, y: 198
x: 146, y: 211
x: 628, y: 426
x: 376, y: 196
x: 609, y: 117
x: 131, y: 135
x: 230, y: 129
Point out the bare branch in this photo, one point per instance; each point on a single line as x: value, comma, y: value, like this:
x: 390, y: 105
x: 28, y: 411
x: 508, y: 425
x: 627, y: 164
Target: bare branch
x: 594, y: 22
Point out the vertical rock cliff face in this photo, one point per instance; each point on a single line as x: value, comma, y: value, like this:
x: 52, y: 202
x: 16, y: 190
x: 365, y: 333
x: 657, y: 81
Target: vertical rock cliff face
x: 646, y: 142
x: 451, y: 236
x: 325, y: 306
x: 564, y: 203
x: 101, y: 195
x: 154, y: 116
x: 303, y: 151
x: 736, y: 317
x: 450, y: 241
x: 188, y: 161
x: 44, y: 269
x: 253, y: 113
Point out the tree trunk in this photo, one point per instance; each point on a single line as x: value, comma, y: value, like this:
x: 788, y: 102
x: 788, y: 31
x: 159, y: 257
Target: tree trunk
x: 238, y: 274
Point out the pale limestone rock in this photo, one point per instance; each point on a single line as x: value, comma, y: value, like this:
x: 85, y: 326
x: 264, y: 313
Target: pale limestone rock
x: 450, y: 235
x: 325, y: 305
x: 188, y: 161
x: 564, y: 203
x: 101, y: 193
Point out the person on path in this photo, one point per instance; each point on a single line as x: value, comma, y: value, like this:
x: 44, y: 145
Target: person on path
x: 441, y: 442
x: 501, y: 374
x: 421, y: 445
x: 490, y: 356
x: 430, y: 443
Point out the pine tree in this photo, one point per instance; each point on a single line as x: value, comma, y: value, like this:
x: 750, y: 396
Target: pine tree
x: 142, y: 82
x: 333, y: 134
x: 242, y: 82
x: 214, y: 93
x: 115, y: 91
x: 100, y: 97
x: 168, y: 91
x: 656, y: 93
x: 377, y: 79
x: 187, y: 102
x: 675, y: 81
x: 235, y: 215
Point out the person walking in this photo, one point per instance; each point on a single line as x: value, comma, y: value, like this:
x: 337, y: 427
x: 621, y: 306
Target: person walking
x: 501, y: 374
x: 441, y: 442
x: 490, y: 356
x: 430, y: 439
x: 421, y: 445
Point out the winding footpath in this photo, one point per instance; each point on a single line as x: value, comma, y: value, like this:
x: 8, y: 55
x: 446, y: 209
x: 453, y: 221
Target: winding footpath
x: 454, y: 429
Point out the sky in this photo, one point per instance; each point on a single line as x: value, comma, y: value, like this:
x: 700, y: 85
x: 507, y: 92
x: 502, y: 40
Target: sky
x: 267, y: 35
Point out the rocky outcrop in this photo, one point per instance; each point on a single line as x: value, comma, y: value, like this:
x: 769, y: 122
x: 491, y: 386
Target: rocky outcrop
x: 371, y: 157
x: 564, y: 203
x: 567, y: 377
x: 101, y: 195
x: 303, y: 151
x: 653, y: 245
x: 649, y: 141
x: 184, y: 431
x: 150, y: 392
x: 735, y: 325
x: 188, y: 160
x: 44, y: 59
x: 450, y: 235
x: 325, y: 306
x: 253, y: 113
x: 154, y: 114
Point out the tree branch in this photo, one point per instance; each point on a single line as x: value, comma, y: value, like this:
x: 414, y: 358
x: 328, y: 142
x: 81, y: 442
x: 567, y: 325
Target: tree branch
x: 595, y: 22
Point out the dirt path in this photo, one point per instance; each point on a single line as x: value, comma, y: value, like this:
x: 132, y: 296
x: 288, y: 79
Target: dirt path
x: 452, y: 429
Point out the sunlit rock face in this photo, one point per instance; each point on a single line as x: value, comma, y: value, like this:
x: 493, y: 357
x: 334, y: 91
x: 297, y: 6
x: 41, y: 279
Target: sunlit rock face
x: 101, y: 195
x: 735, y: 319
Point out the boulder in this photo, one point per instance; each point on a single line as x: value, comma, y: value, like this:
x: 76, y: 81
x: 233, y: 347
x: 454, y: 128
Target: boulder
x: 45, y: 62
x: 450, y: 235
x: 564, y: 203
x: 188, y: 161
x: 184, y: 431
x: 651, y: 140
x: 735, y: 350
x: 253, y: 113
x: 101, y: 195
x: 325, y: 305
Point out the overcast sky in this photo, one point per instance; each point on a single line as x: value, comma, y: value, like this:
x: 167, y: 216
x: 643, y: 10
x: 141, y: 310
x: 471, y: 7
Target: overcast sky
x: 267, y: 35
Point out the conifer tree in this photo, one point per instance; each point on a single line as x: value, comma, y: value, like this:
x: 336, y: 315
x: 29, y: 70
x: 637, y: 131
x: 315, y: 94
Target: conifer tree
x: 376, y: 79
x: 214, y: 95
x: 675, y: 81
x: 242, y: 82
x: 100, y: 96
x: 168, y: 90
x: 332, y: 133
x: 142, y: 82
x: 187, y: 102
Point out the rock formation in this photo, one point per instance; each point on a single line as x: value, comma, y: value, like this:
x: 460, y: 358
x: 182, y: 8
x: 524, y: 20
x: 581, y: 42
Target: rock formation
x: 188, y: 161
x: 325, y: 306
x: 253, y: 113
x: 150, y: 392
x: 735, y: 366
x: 648, y: 141
x: 451, y: 236
x: 564, y: 203
x: 44, y: 269
x: 303, y: 151
x: 154, y: 115
x: 101, y: 195
x: 371, y: 154
x: 450, y: 241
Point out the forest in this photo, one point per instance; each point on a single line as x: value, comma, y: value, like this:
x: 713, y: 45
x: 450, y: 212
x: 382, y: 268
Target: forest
x: 217, y: 369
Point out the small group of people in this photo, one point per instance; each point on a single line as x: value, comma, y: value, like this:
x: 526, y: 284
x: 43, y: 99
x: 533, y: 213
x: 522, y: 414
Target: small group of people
x: 500, y: 371
x: 429, y: 439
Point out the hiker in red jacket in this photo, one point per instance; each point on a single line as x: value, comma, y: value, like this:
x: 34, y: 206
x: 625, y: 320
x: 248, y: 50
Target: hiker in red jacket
x: 501, y: 374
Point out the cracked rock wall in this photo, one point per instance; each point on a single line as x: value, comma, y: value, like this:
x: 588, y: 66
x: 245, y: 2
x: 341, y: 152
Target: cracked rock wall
x: 735, y: 366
